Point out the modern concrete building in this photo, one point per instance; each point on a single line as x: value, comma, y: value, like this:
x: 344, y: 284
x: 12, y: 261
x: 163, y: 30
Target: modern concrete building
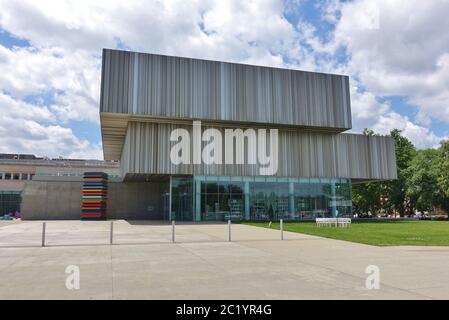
x: 148, y: 98
x: 145, y: 97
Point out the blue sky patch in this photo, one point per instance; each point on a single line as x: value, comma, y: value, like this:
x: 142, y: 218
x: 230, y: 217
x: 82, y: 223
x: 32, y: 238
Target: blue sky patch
x: 9, y: 41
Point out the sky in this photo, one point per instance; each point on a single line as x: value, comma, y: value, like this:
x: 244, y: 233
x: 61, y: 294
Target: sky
x: 396, y: 54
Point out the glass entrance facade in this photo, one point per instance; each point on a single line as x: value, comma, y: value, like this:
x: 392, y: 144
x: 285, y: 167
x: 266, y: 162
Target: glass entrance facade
x: 219, y: 198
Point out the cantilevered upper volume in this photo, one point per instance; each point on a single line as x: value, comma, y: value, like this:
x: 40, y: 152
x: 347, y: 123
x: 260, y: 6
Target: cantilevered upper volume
x: 164, y: 87
x: 174, y: 87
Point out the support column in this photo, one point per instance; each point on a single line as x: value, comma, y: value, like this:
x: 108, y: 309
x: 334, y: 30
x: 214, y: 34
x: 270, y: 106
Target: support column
x: 246, y: 195
x: 291, y: 198
x: 197, y: 190
x: 169, y: 200
x: 333, y: 199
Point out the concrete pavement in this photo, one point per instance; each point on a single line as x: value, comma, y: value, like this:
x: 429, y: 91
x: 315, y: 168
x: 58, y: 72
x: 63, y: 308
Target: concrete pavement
x: 144, y: 264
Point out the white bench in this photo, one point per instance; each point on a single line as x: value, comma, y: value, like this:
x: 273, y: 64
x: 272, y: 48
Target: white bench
x: 336, y: 222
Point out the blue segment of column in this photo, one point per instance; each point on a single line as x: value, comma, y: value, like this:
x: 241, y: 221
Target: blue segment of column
x: 333, y: 199
x: 197, y: 200
x: 291, y: 198
x: 246, y: 191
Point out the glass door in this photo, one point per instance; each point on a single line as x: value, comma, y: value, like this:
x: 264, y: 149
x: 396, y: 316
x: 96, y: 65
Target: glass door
x: 165, y: 200
x: 182, y: 198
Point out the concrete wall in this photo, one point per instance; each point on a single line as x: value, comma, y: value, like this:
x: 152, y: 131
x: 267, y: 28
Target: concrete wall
x: 12, y: 185
x: 134, y: 200
x: 51, y: 200
x: 62, y: 200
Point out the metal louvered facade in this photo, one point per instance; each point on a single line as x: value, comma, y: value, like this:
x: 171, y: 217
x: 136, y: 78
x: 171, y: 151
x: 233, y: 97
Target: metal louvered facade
x: 301, y: 154
x: 174, y: 87
x: 163, y: 87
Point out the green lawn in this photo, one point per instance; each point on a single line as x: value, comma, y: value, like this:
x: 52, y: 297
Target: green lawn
x: 378, y: 233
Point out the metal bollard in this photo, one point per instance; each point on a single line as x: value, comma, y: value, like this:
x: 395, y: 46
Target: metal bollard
x: 173, y: 231
x: 282, y: 229
x: 43, y: 234
x: 111, y: 235
x: 229, y: 230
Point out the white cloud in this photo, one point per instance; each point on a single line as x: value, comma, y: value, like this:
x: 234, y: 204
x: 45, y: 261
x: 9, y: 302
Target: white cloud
x: 406, y: 55
x: 421, y: 136
x: 72, y: 80
x: 403, y: 52
x: 368, y: 112
x: 28, y: 128
x: 394, y: 48
x: 61, y: 68
x: 208, y: 29
x: 72, y: 83
x: 13, y: 109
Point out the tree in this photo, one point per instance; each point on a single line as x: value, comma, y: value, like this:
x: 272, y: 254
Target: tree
x: 366, y: 197
x: 421, y: 186
x: 422, y: 183
x: 443, y: 175
x: 396, y: 189
x: 387, y: 196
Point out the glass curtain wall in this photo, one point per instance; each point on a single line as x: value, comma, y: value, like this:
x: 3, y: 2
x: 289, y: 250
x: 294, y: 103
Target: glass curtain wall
x: 343, y: 198
x: 165, y: 200
x: 220, y: 198
x: 181, y: 199
x: 270, y: 198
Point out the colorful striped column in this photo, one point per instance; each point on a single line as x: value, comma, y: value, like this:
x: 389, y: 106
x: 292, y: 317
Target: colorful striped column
x: 94, y: 196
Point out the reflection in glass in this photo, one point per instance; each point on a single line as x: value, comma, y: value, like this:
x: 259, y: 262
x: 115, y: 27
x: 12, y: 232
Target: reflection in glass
x: 271, y: 198
x: 181, y: 199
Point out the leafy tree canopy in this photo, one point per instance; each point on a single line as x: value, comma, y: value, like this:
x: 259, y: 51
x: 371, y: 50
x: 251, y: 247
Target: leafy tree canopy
x: 422, y: 183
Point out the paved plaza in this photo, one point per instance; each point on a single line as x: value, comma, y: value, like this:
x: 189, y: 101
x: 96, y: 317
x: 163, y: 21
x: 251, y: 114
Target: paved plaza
x: 143, y: 263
